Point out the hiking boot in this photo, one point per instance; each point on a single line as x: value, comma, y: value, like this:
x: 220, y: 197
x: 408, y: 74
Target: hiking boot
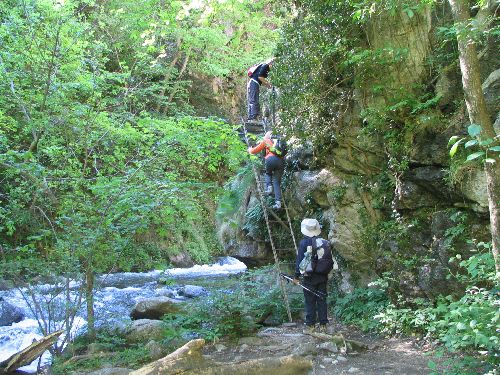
x: 277, y: 205
x: 269, y: 190
x: 308, y: 330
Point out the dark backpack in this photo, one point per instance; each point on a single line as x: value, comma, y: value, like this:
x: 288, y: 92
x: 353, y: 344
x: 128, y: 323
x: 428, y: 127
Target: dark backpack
x: 279, y: 147
x: 252, y: 69
x: 322, y: 259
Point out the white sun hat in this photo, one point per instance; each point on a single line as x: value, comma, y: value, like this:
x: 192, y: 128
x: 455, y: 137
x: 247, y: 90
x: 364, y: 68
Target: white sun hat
x: 310, y: 227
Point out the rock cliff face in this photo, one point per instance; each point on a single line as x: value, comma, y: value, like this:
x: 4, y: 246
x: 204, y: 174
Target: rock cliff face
x: 407, y: 223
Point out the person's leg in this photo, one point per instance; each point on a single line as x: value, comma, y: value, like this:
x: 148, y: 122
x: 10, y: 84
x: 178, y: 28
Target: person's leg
x: 322, y: 306
x: 269, y: 174
x: 310, y: 302
x: 253, y: 100
x: 274, y: 168
x: 277, y: 174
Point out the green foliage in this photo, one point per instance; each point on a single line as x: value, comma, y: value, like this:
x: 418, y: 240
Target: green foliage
x: 113, y: 349
x: 469, y: 323
x: 361, y: 306
x: 83, y: 172
x: 325, y: 59
x: 234, y: 191
x: 232, y: 313
x: 485, y: 149
x: 94, y: 175
x: 338, y: 193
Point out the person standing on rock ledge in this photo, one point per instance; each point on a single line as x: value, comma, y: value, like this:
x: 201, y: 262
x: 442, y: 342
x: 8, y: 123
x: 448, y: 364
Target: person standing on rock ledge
x: 314, y: 262
x: 258, y: 76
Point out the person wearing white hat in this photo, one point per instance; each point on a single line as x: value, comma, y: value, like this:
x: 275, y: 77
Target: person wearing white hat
x: 319, y: 262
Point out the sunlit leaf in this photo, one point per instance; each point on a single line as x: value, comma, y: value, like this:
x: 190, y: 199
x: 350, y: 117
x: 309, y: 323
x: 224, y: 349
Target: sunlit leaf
x: 475, y: 155
x: 494, y: 148
x: 453, y: 140
x: 470, y: 143
x: 454, y: 148
x: 474, y: 130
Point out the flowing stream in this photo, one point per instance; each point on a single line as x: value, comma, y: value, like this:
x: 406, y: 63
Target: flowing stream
x: 115, y: 299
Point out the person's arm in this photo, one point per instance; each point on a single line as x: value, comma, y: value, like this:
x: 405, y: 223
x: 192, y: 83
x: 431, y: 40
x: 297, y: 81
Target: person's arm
x: 265, y: 82
x: 300, y: 255
x: 265, y: 143
x: 255, y: 150
x: 262, y: 77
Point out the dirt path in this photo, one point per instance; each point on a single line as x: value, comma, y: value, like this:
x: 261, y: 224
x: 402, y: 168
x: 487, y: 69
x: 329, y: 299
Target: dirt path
x: 384, y: 356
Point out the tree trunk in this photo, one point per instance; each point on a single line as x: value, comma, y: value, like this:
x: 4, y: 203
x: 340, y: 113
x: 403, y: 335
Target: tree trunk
x: 176, y: 86
x: 478, y: 114
x: 89, y: 298
x: 168, y: 74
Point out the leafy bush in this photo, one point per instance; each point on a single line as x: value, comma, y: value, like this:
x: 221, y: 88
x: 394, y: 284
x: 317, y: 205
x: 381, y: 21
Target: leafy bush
x: 470, y: 323
x: 361, y: 306
x: 233, y: 313
x: 113, y: 350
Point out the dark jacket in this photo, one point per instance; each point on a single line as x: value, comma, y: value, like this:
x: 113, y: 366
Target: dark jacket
x: 261, y: 71
x: 312, y: 277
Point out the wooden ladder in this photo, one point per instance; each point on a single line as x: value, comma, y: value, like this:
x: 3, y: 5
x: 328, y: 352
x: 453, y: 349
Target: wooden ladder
x: 267, y: 211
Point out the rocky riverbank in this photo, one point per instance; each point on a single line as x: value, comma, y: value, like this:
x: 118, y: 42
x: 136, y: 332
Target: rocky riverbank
x: 319, y: 354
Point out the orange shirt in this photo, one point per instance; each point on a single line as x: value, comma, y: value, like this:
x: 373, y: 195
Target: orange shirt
x: 266, y: 143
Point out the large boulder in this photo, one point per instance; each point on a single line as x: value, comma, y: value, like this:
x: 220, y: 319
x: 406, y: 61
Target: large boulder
x: 154, y: 308
x: 192, y: 291
x: 424, y: 187
x: 448, y: 88
x: 473, y: 187
x: 313, y: 187
x: 181, y: 259
x: 9, y: 313
x: 402, y: 31
x: 491, y: 90
x: 144, y: 330
x: 429, y: 148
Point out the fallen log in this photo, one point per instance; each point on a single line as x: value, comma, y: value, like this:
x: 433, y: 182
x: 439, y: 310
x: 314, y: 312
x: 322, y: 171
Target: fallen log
x: 187, y: 357
x: 286, y: 365
x: 187, y: 360
x: 29, y: 354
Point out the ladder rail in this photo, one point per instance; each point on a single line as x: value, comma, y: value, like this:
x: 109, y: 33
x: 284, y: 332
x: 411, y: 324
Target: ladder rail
x: 291, y: 229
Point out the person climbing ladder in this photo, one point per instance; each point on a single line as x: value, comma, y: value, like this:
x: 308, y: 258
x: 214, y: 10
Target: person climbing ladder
x: 274, y: 165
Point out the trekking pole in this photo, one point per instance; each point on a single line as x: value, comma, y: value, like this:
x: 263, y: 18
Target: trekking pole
x: 317, y: 293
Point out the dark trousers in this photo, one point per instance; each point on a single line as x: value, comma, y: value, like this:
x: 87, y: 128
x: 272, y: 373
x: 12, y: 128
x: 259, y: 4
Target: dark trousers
x: 274, y: 172
x: 253, y: 99
x: 316, y: 308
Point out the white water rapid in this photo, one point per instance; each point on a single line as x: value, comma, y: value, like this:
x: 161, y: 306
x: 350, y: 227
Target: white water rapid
x: 113, y: 302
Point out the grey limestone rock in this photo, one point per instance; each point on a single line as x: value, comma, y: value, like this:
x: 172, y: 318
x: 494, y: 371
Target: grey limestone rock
x: 154, y: 308
x: 9, y: 313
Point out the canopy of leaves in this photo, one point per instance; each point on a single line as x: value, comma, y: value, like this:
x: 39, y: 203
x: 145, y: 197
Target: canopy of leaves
x: 92, y: 171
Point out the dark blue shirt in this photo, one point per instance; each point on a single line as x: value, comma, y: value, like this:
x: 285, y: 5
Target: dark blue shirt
x: 307, y: 241
x: 261, y: 71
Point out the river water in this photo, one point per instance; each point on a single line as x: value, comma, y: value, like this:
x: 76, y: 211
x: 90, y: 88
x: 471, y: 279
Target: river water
x: 114, y: 300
